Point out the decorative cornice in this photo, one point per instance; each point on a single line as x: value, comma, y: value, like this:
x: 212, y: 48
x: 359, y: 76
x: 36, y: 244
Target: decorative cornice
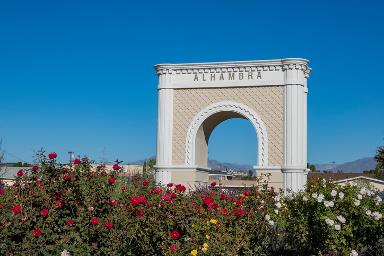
x: 236, y: 107
x: 234, y: 66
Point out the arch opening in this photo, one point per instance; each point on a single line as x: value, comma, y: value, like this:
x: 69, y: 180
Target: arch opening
x: 203, y: 124
x: 231, y: 145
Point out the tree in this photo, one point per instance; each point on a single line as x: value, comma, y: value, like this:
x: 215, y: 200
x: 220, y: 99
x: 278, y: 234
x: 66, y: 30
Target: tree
x: 312, y: 167
x: 149, y: 167
x: 379, y: 170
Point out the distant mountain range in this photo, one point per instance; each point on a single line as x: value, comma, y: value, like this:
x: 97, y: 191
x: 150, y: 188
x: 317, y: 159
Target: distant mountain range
x: 220, y: 166
x: 213, y: 164
x: 359, y: 165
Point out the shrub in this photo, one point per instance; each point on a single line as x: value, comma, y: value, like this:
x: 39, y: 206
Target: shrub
x: 57, y: 209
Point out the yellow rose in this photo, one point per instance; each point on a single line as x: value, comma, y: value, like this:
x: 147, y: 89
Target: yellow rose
x: 207, y: 237
x: 194, y: 252
x: 213, y: 221
x: 205, y: 245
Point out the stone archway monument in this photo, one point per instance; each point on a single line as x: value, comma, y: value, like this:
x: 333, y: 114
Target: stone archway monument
x: 194, y: 98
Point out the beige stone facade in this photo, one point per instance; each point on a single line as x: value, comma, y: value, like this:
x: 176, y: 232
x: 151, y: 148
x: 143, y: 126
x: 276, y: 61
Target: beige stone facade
x: 267, y: 101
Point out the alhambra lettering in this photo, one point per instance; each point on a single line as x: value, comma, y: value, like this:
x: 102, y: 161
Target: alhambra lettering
x: 230, y: 76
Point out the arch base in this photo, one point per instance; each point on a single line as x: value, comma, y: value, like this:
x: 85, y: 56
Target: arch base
x: 190, y: 176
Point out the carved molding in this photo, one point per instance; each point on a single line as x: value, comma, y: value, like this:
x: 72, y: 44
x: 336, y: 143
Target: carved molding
x: 231, y: 106
x: 236, y: 66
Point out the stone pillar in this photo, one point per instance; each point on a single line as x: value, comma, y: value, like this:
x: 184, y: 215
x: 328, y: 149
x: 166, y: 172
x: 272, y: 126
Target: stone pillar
x: 164, y: 130
x: 295, y: 130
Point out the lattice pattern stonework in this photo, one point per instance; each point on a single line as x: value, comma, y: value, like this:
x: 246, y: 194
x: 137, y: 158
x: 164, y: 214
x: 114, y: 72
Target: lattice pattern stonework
x: 266, y: 101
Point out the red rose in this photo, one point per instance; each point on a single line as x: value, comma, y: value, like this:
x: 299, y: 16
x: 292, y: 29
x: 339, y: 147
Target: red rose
x: 166, y: 198
x: 213, y: 184
x: 180, y: 188
x: 2, y: 191
x: 94, y: 221
x: 69, y: 222
x: 44, y: 212
x: 157, y: 191
x: 67, y: 177
x: 224, y: 211
x: 52, y: 155
x: 16, y: 209
x: 111, y: 180
x: 146, y: 183
x: 173, y: 195
x: 109, y: 224
x: 170, y: 185
x: 112, y: 202
x: 239, y: 212
x: 139, y: 213
x: 36, y: 232
x: 35, y: 168
x: 246, y: 193
x: 77, y: 161
x: 123, y: 188
x: 138, y: 200
x: 208, y: 200
x: 175, y: 235
x: 213, y: 206
x: 121, y: 206
x: 59, y: 204
x: 116, y: 167
x: 173, y: 248
x: 20, y: 172
x: 239, y: 203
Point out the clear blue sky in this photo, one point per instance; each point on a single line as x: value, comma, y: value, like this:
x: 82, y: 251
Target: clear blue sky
x: 78, y: 75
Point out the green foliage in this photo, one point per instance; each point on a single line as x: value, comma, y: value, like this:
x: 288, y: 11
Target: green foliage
x: 379, y: 170
x: 137, y: 217
x: 312, y: 167
x: 149, y: 168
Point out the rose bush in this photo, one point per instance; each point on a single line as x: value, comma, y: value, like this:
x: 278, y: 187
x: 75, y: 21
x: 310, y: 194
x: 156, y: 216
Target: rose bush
x: 55, y: 209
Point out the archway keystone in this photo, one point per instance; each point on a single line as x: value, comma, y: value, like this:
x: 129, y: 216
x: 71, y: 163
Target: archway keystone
x: 194, y: 98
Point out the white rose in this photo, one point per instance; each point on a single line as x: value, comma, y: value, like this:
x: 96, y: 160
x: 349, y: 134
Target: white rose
x: 320, y: 198
x: 65, y: 253
x: 333, y: 192
x: 363, y: 191
x: 337, y: 227
x: 368, y: 212
x: 353, y: 253
x: 329, y: 222
x: 267, y: 217
x: 276, y: 211
x: 314, y: 195
x: 271, y: 222
x: 378, y: 200
x: 305, y: 199
x: 357, y: 202
x: 341, y: 219
x: 376, y: 215
x: 341, y: 195
x: 278, y: 205
x: 359, y: 196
